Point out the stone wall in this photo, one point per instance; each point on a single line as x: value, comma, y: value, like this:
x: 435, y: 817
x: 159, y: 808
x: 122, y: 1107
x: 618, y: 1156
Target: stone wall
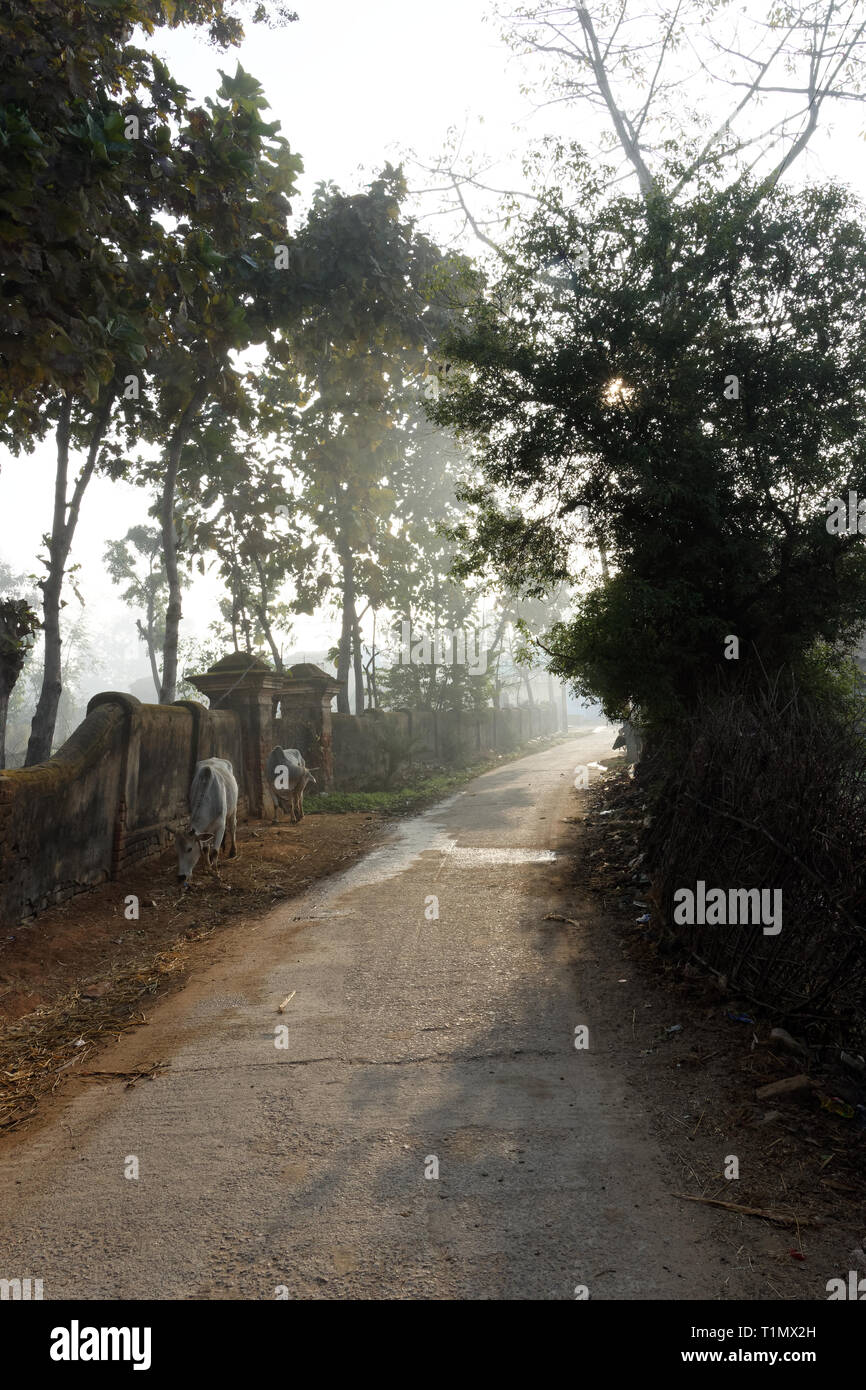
x: 111, y: 795
x: 120, y: 785
x: 452, y: 738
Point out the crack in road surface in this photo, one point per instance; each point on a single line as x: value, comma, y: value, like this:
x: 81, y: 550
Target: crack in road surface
x: 317, y: 1173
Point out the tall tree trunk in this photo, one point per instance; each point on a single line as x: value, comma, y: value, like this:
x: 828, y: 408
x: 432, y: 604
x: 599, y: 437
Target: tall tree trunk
x: 602, y: 555
x: 374, y: 691
x: 173, y: 612
x: 358, y: 663
x: 276, y: 654
x: 344, y: 650
x: 495, y: 648
x: 245, y: 626
x: 5, y: 692
x: 148, y: 636
x: 63, y: 526
x: 262, y: 615
x: 369, y: 684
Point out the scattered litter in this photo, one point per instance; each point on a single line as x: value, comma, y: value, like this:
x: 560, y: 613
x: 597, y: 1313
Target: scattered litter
x: 287, y: 1000
x: 779, y: 1035
x: 645, y: 918
x: 836, y: 1106
x: 791, y: 1086
x: 796, y: 1254
x: 557, y: 917
x: 674, y: 1028
x: 739, y: 1018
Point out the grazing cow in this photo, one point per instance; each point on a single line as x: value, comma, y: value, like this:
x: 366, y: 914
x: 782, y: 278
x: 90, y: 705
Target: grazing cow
x: 213, y: 809
x: 289, y: 779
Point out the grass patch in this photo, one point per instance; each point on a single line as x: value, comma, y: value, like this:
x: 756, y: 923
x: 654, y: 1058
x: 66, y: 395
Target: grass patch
x: 409, y: 798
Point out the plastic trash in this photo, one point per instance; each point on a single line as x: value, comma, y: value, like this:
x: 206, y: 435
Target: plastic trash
x: 836, y: 1106
x: 739, y: 1018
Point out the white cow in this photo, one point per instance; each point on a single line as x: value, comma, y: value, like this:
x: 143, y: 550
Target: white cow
x: 288, y: 777
x: 213, y: 809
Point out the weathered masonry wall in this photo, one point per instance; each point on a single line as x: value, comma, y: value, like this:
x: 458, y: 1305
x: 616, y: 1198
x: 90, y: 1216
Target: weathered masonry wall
x: 120, y: 785
x: 453, y: 738
x: 109, y: 796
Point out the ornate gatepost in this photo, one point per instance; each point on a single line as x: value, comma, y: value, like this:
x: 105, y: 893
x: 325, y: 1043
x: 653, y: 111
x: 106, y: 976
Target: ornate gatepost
x: 305, y: 717
x: 251, y: 689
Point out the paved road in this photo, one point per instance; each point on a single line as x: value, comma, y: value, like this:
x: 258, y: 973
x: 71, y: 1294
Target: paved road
x: 412, y: 1040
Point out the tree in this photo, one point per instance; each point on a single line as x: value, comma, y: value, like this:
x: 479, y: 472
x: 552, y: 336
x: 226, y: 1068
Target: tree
x: 135, y: 561
x: 219, y: 273
x: 258, y: 548
x: 419, y: 587
x: 693, y: 394
x: 18, y: 626
x: 645, y: 70
x: 669, y: 94
x: 84, y: 122
x: 377, y: 297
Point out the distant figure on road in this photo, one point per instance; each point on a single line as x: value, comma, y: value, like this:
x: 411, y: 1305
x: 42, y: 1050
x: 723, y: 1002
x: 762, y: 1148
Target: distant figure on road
x: 631, y: 740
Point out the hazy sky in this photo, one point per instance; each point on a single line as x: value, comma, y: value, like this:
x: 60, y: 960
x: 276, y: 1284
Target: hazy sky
x: 353, y: 84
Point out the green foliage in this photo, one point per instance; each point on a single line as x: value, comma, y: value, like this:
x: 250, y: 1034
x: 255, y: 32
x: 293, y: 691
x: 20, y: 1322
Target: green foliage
x: 603, y: 387
x: 197, y: 656
x: 79, y: 198
x: 135, y: 561
x: 131, y: 228
x: 397, y: 802
x: 830, y: 682
x: 19, y: 623
x: 372, y: 298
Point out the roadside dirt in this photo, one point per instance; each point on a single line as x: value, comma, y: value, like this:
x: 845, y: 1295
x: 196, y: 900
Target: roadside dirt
x: 695, y: 1055
x: 84, y: 972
